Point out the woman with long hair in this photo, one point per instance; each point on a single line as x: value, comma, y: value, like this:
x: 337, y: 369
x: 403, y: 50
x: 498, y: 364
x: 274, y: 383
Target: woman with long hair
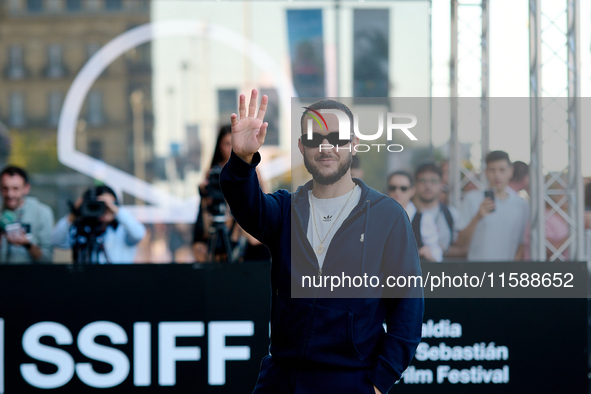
x: 244, y: 247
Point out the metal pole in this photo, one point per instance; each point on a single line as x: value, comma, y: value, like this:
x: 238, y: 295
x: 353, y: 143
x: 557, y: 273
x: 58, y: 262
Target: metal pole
x: 537, y: 216
x: 485, y: 89
x: 139, y: 158
x: 454, y: 143
x: 575, y: 177
x: 337, y: 15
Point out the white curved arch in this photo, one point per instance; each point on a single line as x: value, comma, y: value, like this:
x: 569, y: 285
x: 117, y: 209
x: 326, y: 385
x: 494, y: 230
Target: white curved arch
x: 173, y: 209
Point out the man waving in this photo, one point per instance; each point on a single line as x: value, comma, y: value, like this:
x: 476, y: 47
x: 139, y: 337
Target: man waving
x: 332, y: 227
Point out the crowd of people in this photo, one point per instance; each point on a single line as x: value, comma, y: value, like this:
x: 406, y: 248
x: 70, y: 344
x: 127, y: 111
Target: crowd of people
x: 487, y: 226
x: 97, y: 230
x: 490, y: 225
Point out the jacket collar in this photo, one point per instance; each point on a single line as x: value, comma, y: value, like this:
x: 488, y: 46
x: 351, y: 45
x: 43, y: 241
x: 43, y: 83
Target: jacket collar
x: 302, y: 207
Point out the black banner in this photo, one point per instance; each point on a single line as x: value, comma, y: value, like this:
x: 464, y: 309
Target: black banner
x: 170, y: 328
x: 204, y: 329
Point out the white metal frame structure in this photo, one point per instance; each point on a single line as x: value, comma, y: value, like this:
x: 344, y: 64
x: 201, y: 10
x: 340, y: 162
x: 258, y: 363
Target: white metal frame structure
x: 544, y: 32
x: 462, y: 48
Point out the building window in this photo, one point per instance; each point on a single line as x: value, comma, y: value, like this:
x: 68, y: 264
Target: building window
x: 95, y: 108
x: 271, y: 116
x: 371, y: 44
x: 306, y: 48
x: 55, y: 106
x: 15, y: 62
x: 113, y: 4
x: 35, y: 5
x: 91, y: 49
x: 14, y: 6
x: 93, y: 5
x: 55, y: 67
x: 17, y: 109
x: 54, y: 5
x: 95, y: 149
x: 73, y: 5
x: 227, y: 102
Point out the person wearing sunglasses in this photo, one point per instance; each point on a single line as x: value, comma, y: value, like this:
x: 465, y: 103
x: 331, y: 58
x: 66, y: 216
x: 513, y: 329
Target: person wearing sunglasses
x: 332, y: 225
x: 401, y: 188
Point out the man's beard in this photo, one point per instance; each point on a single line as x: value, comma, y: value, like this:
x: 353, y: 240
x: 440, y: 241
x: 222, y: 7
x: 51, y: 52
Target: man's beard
x: 427, y: 200
x: 329, y: 179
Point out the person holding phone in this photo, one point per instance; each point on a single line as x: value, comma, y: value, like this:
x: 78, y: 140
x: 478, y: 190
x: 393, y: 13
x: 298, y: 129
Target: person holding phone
x: 492, y: 223
x: 25, y: 222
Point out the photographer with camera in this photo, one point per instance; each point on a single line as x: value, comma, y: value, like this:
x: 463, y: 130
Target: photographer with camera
x: 217, y: 236
x: 98, y: 230
x: 25, y: 223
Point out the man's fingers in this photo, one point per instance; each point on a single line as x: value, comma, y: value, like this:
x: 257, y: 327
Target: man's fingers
x: 252, y: 106
x: 242, y: 107
x: 263, y: 107
x: 262, y: 133
x: 234, y: 120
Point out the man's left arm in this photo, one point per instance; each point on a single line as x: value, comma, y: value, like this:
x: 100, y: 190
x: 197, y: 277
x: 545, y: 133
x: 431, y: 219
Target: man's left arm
x: 405, y: 312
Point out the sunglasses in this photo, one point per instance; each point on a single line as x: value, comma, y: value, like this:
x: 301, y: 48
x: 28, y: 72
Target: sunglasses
x: 394, y: 188
x: 317, y: 138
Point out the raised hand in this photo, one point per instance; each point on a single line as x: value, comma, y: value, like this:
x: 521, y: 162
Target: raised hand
x: 248, y: 132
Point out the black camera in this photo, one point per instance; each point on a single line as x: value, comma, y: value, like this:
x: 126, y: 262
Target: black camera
x: 217, y: 205
x: 87, y: 231
x: 92, y: 209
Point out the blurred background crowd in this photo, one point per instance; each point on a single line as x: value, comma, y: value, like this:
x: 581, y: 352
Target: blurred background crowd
x: 113, y: 111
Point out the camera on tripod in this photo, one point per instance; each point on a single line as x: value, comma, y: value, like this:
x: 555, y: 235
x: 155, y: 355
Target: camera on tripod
x: 87, y: 230
x: 216, y: 206
x: 217, y: 203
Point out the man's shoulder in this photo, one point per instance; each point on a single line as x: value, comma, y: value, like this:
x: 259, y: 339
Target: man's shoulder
x: 474, y: 195
x: 35, y: 206
x: 519, y: 206
x: 518, y: 200
x: 382, y: 204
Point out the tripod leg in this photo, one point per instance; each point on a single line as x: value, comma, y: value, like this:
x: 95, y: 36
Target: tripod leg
x: 227, y: 245
x: 213, y: 242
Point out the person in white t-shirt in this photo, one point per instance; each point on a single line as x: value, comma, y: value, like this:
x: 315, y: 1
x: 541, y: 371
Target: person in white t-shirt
x: 493, y: 229
x: 429, y: 186
x: 401, y: 189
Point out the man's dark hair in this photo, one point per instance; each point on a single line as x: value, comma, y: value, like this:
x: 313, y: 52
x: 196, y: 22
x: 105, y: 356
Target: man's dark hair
x: 328, y: 104
x: 403, y: 173
x: 520, y: 171
x: 497, y: 155
x: 428, y: 167
x: 14, y: 170
x: 217, y: 158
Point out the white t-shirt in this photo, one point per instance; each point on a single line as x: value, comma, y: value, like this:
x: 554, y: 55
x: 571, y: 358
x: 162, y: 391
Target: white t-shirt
x: 498, y: 235
x: 445, y: 236
x: 327, y: 218
x: 429, y: 231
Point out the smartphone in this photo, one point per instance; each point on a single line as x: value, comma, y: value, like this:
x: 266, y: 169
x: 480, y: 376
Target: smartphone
x: 490, y: 194
x: 13, y: 228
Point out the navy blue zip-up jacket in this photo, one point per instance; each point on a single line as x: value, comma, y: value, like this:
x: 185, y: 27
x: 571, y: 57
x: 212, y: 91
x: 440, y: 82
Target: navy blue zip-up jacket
x: 347, y: 333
